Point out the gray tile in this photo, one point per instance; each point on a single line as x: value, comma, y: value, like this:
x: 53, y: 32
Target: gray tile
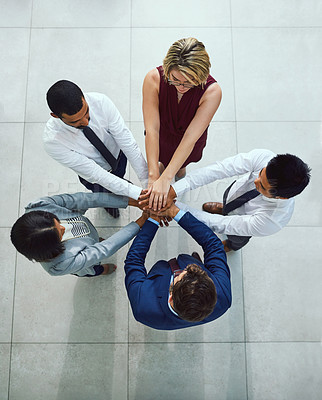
x: 4, y: 369
x: 149, y: 47
x: 228, y: 328
x: 291, y: 137
x: 89, y: 57
x: 68, y: 372
x: 14, y: 49
x: 277, y: 82
x: 276, y: 13
x: 81, y: 14
x: 8, y: 261
x: 15, y: 14
x: 41, y: 175
x: 284, y: 371
x: 181, y: 14
x: 187, y: 371
x: 11, y: 139
x: 70, y: 308
x: 282, y: 276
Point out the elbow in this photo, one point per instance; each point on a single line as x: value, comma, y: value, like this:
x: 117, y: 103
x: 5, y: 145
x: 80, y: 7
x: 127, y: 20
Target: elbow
x: 151, y: 133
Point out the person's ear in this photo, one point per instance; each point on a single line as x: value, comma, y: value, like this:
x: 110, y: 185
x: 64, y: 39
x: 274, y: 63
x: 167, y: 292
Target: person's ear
x: 54, y: 115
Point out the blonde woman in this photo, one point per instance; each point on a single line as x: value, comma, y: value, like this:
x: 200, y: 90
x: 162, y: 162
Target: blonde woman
x: 179, y: 100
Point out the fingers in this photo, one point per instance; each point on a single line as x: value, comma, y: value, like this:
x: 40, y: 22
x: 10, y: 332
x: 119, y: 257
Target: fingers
x: 159, y: 203
x: 145, y: 193
x: 151, y: 200
x: 155, y: 198
x: 165, y: 220
x: 144, y: 204
x: 165, y: 198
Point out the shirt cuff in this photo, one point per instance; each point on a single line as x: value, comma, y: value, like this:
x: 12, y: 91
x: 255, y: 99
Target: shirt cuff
x: 181, y: 186
x: 180, y: 214
x: 154, y: 221
x: 134, y: 191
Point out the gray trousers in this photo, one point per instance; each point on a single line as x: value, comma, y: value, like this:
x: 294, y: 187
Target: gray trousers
x: 234, y: 242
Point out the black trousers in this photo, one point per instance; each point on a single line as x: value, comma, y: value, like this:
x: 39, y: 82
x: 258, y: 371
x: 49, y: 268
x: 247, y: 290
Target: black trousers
x: 234, y: 242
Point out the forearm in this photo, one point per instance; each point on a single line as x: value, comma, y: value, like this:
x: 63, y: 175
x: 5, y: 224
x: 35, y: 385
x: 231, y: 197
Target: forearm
x: 96, y: 253
x: 82, y: 201
x: 237, y: 165
x: 130, y: 148
x: 92, y: 172
x: 152, y: 153
x: 240, y: 225
x: 179, y: 157
x: 214, y: 254
x: 135, y: 259
x: 111, y: 182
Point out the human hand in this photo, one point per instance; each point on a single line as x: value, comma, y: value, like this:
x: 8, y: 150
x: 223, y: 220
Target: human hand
x: 170, y: 200
x: 170, y: 212
x: 143, y: 199
x: 163, y: 220
x: 159, y: 194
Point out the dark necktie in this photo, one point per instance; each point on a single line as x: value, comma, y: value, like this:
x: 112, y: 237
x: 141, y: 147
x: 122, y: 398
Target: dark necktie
x: 239, y: 201
x: 100, y: 146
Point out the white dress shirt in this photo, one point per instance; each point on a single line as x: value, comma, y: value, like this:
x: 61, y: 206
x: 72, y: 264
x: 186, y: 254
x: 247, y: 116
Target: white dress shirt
x: 261, y: 216
x: 71, y: 148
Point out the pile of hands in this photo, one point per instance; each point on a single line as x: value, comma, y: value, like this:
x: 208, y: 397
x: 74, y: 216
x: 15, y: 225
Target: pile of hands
x: 161, y: 208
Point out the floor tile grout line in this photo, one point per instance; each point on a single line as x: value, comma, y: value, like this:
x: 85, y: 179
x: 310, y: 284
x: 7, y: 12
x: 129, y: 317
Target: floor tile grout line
x: 244, y: 321
x: 125, y: 343
x: 237, y: 150
x: 233, y: 77
x: 19, y: 204
x: 165, y: 27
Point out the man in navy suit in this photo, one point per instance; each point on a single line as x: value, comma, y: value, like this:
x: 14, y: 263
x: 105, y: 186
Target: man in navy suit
x: 183, y: 292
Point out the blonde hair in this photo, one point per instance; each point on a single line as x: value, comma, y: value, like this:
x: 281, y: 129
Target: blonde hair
x: 190, y: 58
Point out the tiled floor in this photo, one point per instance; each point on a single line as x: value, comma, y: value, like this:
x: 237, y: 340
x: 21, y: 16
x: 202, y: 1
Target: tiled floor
x: 69, y: 338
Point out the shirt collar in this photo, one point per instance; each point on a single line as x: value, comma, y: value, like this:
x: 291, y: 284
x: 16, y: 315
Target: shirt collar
x: 172, y: 310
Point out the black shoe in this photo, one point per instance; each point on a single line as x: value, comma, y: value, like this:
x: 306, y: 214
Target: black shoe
x: 196, y: 256
x: 114, y: 212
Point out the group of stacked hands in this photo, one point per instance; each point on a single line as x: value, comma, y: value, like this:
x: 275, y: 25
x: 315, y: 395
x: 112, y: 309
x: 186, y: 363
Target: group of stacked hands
x: 87, y: 134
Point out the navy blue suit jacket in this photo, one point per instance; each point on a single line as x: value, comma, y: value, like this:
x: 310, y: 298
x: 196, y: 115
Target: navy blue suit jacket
x: 148, y: 292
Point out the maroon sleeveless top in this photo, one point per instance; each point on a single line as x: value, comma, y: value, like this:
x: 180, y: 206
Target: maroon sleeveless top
x: 175, y: 118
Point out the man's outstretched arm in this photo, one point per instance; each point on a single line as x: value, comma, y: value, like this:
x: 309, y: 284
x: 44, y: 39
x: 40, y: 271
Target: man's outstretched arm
x: 135, y: 271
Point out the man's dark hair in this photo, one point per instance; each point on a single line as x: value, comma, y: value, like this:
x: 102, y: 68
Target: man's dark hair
x: 64, y: 97
x: 288, y: 175
x: 194, y: 295
x: 35, y: 236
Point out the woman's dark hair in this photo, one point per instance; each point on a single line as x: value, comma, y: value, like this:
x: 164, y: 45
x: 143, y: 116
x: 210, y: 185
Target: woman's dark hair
x: 288, y: 175
x: 35, y: 236
x: 194, y: 295
x: 64, y: 97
